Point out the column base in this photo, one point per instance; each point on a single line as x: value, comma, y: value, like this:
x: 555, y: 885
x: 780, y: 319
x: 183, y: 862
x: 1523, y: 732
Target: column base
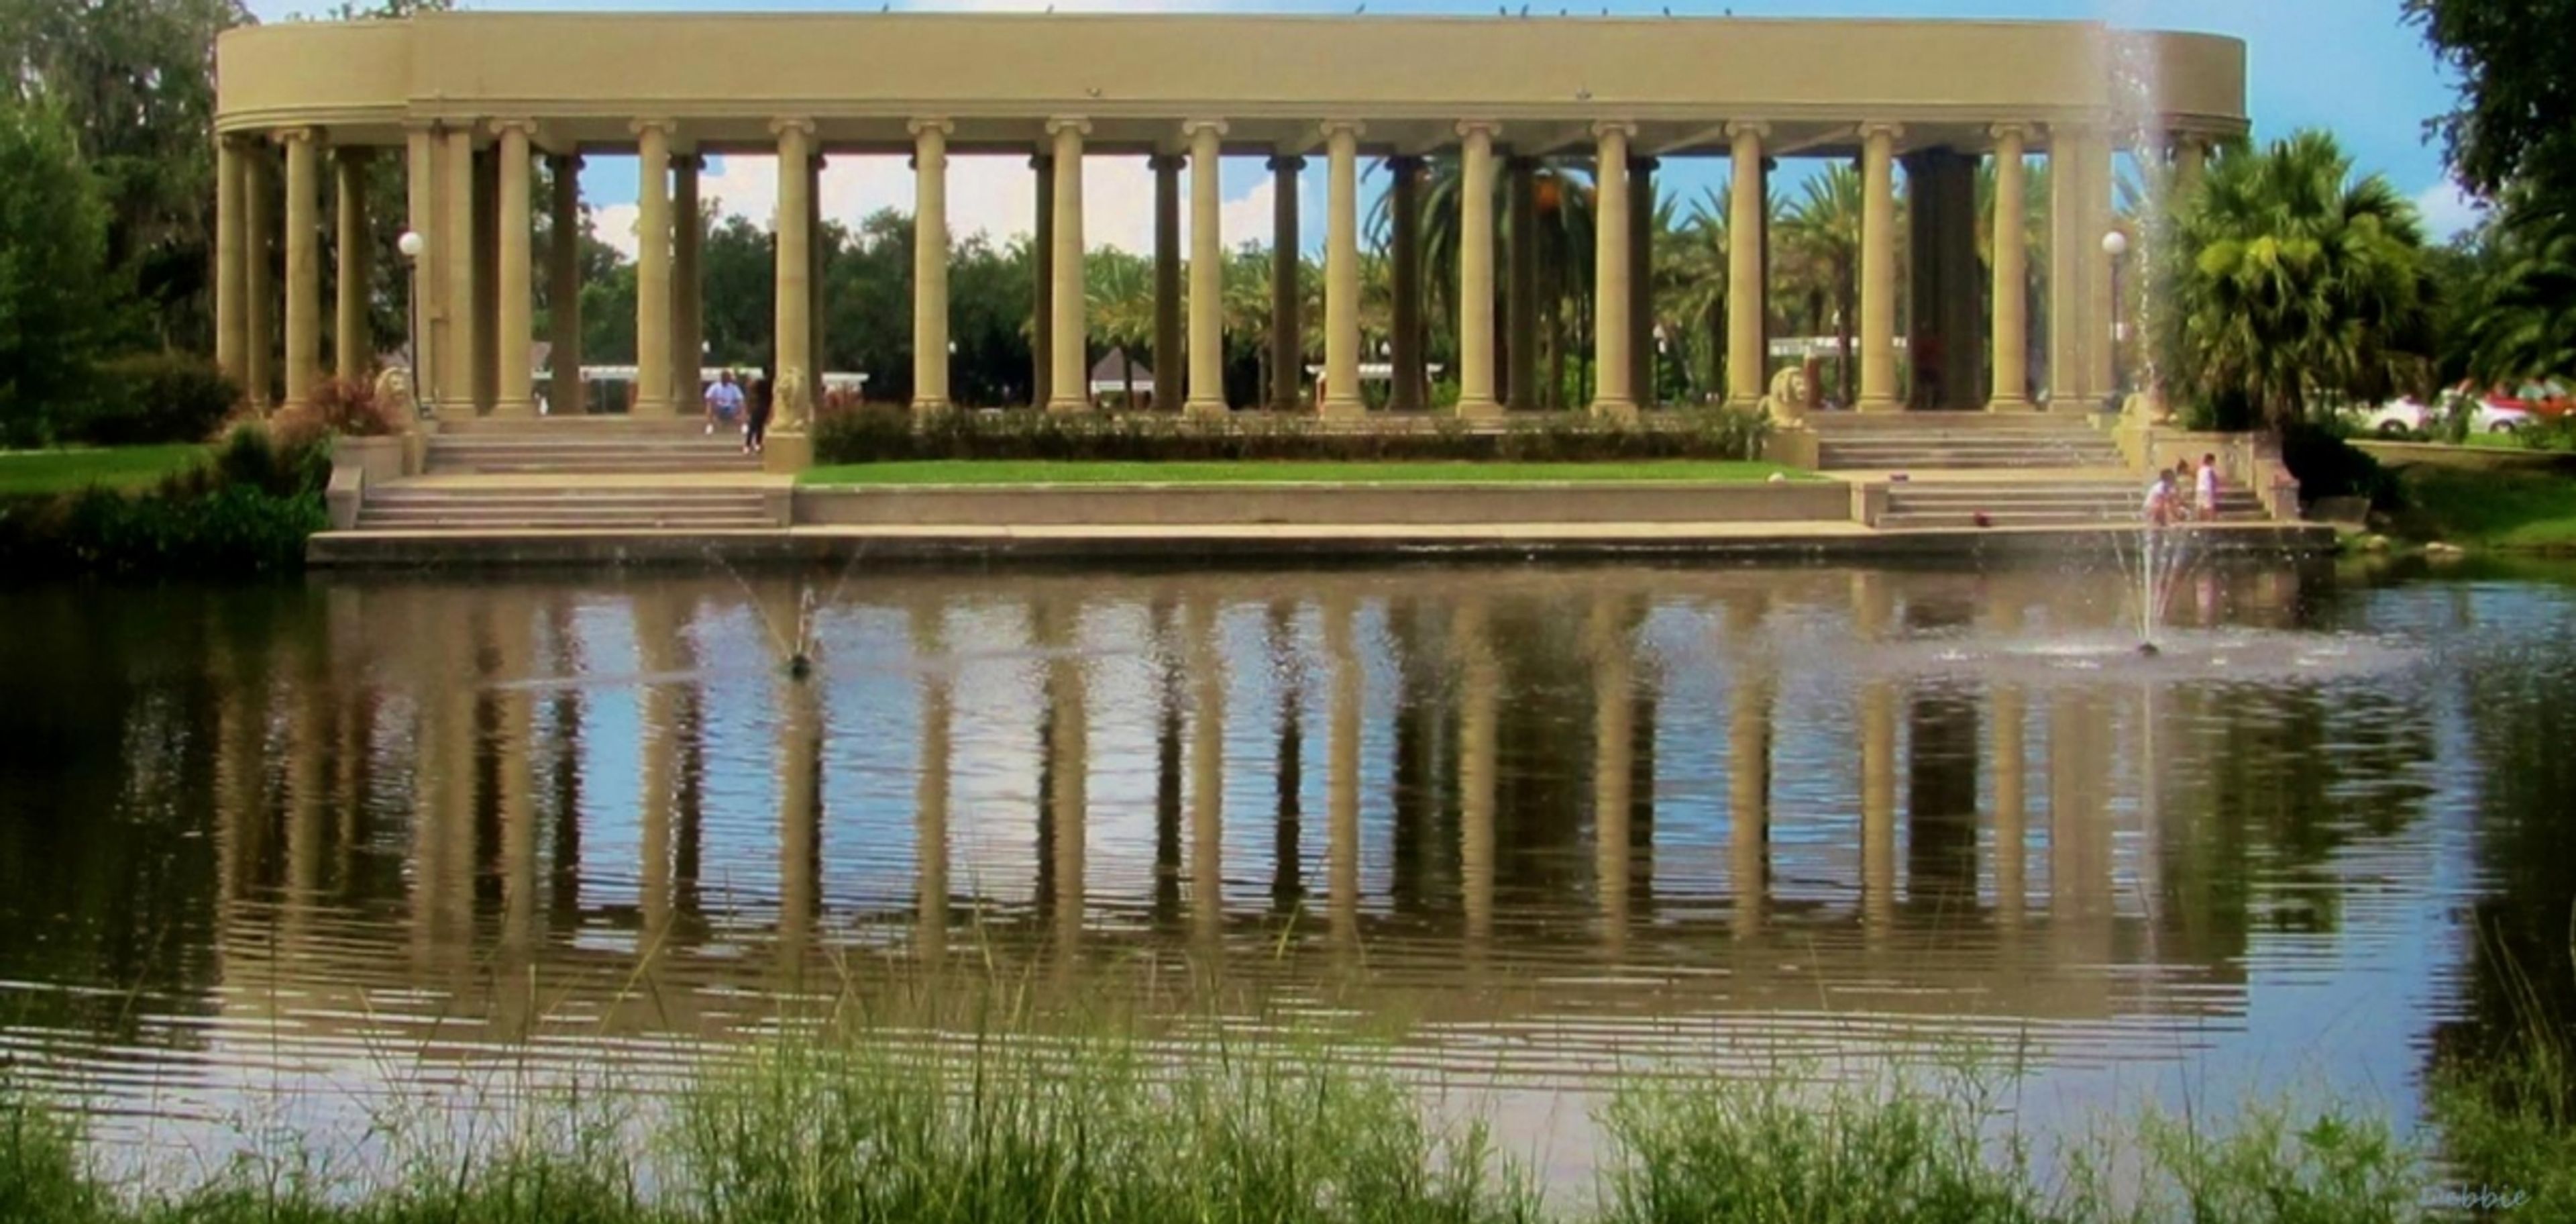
x: 655, y: 406
x: 1203, y: 408
x: 785, y: 454
x: 1336, y: 406
x: 1063, y: 403
x: 1480, y: 409
x: 2011, y: 405
x: 522, y: 408
x: 1881, y: 404
x: 925, y: 406
x: 1623, y: 411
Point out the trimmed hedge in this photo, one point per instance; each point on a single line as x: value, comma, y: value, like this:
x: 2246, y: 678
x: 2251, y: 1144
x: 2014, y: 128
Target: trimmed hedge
x: 156, y: 397
x: 880, y: 434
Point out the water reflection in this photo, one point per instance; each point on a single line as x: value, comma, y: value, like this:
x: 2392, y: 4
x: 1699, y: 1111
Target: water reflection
x: 1624, y: 811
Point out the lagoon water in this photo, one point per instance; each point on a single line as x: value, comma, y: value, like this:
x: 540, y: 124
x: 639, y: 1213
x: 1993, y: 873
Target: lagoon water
x: 270, y: 857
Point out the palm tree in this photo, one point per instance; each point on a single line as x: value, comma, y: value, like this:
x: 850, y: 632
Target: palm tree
x: 2524, y: 325
x: 1564, y: 244
x: 2293, y: 279
x: 1823, y: 245
x: 1118, y: 290
x: 1700, y: 254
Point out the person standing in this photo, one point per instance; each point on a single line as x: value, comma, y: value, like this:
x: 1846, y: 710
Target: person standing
x: 2205, y: 489
x: 756, y: 425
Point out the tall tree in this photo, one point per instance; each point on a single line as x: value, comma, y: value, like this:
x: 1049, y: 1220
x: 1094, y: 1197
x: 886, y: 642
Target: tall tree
x: 1823, y: 232
x: 53, y: 244
x: 2517, y: 112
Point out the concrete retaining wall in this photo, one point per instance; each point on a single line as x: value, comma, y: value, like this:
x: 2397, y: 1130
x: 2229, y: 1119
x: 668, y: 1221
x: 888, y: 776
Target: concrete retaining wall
x: 1320, y: 504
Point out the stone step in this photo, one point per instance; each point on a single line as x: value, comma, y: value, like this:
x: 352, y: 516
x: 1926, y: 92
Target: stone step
x: 600, y: 499
x: 417, y: 520
x: 1895, y: 520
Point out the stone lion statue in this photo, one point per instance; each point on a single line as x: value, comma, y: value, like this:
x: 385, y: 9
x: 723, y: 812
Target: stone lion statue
x: 1790, y: 396
x: 393, y: 394
x: 790, y: 406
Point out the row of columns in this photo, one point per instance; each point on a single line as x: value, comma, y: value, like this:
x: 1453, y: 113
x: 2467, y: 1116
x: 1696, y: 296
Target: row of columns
x: 477, y: 284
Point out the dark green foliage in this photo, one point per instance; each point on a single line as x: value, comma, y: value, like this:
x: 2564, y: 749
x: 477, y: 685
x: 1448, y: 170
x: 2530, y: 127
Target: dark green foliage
x: 157, y: 397
x: 2517, y: 117
x: 53, y: 236
x: 248, y: 509
x: 2327, y: 465
x: 876, y: 434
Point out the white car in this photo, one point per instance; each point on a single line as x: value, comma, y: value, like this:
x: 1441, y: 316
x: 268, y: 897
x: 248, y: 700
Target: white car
x: 2402, y: 417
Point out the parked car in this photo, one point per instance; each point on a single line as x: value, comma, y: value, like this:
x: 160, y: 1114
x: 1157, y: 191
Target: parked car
x: 2404, y: 417
x: 2546, y: 397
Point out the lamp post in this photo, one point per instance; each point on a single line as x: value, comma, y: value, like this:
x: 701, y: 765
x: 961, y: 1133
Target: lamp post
x: 411, y: 244
x: 2115, y: 244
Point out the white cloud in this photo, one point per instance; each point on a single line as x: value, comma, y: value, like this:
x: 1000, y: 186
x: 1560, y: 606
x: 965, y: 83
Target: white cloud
x: 2447, y: 210
x: 616, y: 226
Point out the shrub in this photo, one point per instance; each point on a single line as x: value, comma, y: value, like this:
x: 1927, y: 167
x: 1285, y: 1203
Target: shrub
x: 2329, y: 466
x: 2556, y: 433
x: 878, y: 434
x: 157, y: 397
x: 344, y: 406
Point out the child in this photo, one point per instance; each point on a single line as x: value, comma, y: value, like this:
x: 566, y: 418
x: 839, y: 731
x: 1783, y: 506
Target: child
x: 2205, y: 488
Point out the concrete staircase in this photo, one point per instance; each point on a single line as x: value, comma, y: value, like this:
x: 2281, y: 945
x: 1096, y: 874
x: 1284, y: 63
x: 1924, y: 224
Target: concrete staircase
x: 1936, y: 441
x: 2046, y: 502
x: 642, y: 452
x: 512, y: 508
x: 578, y: 475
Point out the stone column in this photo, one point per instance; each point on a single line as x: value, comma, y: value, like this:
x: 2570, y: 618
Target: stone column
x: 1476, y: 270
x: 2068, y: 261
x: 930, y: 263
x: 688, y: 287
x: 2101, y: 310
x: 303, y: 266
x: 1878, y: 268
x: 1408, y: 389
x: 231, y: 260
x: 1945, y: 282
x: 1287, y: 344
x: 426, y: 274
x: 259, y: 276
x: 1169, y: 365
x: 487, y: 276
x: 1207, y: 270
x: 818, y: 257
x: 1747, y: 355
x: 1342, y: 270
x: 1070, y: 381
x: 563, y: 289
x: 517, y: 395
x: 463, y: 348
x: 653, y: 270
x: 1641, y: 279
x: 1042, y: 285
x: 1612, y: 394
x: 353, y: 347
x: 2012, y: 278
x: 1520, y: 302
x: 792, y: 328
x: 2190, y: 165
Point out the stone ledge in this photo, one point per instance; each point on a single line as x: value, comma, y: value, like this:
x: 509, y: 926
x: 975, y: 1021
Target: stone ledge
x: 1321, y: 505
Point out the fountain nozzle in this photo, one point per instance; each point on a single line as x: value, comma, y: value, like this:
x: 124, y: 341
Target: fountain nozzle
x: 2148, y: 650
x: 800, y: 665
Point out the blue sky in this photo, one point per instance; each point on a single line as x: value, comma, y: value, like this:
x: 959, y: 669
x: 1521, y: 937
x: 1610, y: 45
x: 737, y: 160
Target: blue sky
x: 2349, y: 66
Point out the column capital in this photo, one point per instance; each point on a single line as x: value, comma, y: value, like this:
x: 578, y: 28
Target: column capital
x: 2010, y: 130
x: 1042, y: 161
x: 642, y: 127
x: 1336, y: 127
x: 567, y: 161
x: 1192, y: 127
x: 1607, y: 128
x: 1755, y: 128
x: 1467, y: 128
x: 1406, y: 161
x: 2075, y: 129
x: 1076, y: 124
x: 297, y: 135
x: 782, y: 127
x: 926, y: 125
x: 354, y: 155
x: 688, y: 161
x: 523, y: 126
x: 1167, y: 161
x: 1892, y: 131
x: 1646, y: 164
x: 1289, y: 162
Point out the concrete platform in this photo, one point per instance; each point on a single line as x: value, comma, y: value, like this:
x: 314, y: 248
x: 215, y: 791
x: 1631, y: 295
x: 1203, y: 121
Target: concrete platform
x: 1235, y: 544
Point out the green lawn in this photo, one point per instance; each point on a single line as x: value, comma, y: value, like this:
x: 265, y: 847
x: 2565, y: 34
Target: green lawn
x: 2495, y: 509
x: 1042, y: 471
x: 25, y: 473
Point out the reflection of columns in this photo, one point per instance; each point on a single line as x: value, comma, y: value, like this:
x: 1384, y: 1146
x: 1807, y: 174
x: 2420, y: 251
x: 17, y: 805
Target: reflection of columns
x: 793, y: 336
x: 1168, y: 362
x: 1207, y: 769
x: 1613, y: 742
x: 1406, y: 391
x: 2012, y: 805
x: 514, y: 735
x: 656, y: 639
x: 563, y: 289
x: 1068, y: 745
x: 688, y: 287
x: 800, y: 820
x: 259, y: 275
x: 1641, y: 280
x: 231, y: 257
x: 303, y: 266
x: 1342, y: 776
x: 1207, y: 271
x: 1070, y: 384
x: 1479, y: 682
x: 1520, y: 302
x: 1342, y: 270
x: 2012, y: 279
x: 1287, y: 345
x: 930, y: 791
x: 517, y: 396
x: 1746, y: 360
x: 1877, y: 806
x: 1613, y: 394
x: 1042, y: 284
x: 653, y: 270
x: 930, y: 264
x: 1476, y: 270
x: 1748, y: 771
x: 1287, y: 882
x: 353, y: 349
x: 2079, y: 859
x: 1878, y: 267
